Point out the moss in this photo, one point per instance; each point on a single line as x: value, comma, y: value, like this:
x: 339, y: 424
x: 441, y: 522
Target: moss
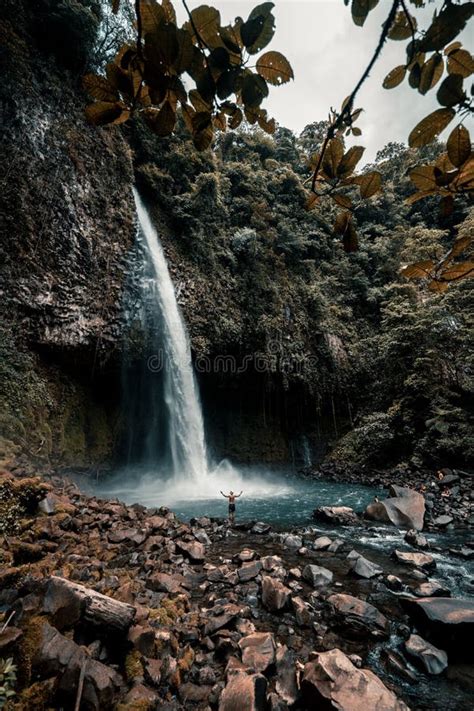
x: 186, y: 661
x: 168, y: 612
x: 38, y: 696
x: 19, y: 497
x: 28, y: 647
x: 139, y: 705
x: 133, y: 665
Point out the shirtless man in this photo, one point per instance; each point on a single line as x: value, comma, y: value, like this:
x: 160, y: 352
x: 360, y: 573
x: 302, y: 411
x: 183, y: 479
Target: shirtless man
x: 231, y: 498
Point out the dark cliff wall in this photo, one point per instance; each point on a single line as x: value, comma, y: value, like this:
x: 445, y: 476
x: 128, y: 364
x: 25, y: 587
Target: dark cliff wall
x: 67, y: 223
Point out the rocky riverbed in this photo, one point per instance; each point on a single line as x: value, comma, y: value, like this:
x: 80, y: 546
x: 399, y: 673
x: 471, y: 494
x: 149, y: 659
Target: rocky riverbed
x: 108, y: 606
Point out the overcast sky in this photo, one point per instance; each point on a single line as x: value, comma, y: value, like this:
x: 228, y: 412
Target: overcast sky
x: 328, y: 54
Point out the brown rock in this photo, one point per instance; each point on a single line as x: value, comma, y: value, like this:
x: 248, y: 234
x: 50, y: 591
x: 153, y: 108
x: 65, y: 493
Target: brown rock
x: 9, y: 636
x: 258, y: 650
x: 192, y: 693
x: 244, y: 693
x: 286, y: 684
x: 446, y: 621
x: 143, y: 639
x: 432, y: 659
x: 162, y: 582
x: 332, y: 682
x: 405, y: 508
x: 337, y: 515
x: 275, y: 595
x: 140, y: 696
x: 417, y: 560
x: 220, y: 616
x: 193, y: 550
x: 357, y: 617
x: 248, y: 571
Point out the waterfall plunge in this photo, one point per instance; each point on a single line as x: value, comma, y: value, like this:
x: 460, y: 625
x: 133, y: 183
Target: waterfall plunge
x: 184, y: 422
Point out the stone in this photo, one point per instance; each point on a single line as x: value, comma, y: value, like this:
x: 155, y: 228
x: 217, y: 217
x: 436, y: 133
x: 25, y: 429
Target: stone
x: 394, y: 583
x: 258, y: 651
x: 317, y: 576
x: 430, y: 588
x: 248, y: 571
x: 415, y: 538
x: 244, y: 692
x: 432, y: 659
x: 275, y: 595
x: 193, y: 550
x: 286, y: 683
x: 270, y: 562
x: 358, y: 618
x: 220, y: 616
x: 152, y: 671
x: 337, y: 515
x: 9, y: 636
x: 192, y: 693
x: 416, y: 560
x: 364, y: 568
x: 332, y: 682
x: 127, y: 535
x: 292, y: 541
x: 443, y: 521
x: 446, y: 621
x: 162, y: 582
x: 302, y: 613
x: 322, y: 543
x: 246, y: 555
x: 140, y: 696
x: 143, y: 639
x: 260, y: 528
x: 405, y: 508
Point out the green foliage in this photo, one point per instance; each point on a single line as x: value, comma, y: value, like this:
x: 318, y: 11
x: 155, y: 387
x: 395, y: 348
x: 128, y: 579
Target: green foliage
x: 7, y: 681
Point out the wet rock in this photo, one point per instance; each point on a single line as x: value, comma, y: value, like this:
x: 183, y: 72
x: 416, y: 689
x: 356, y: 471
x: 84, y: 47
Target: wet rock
x: 393, y: 583
x: 405, y: 508
x: 322, y: 543
x: 275, y: 595
x: 417, y: 560
x: 430, y: 588
x: 292, y: 541
x: 317, y: 576
x: 446, y: 621
x: 414, y: 538
x: 397, y: 664
x: 244, y: 692
x: 337, y: 515
x: 364, y: 568
x: 432, y: 659
x: 358, y: 618
x: 258, y: 651
x: 443, y: 520
x: 261, y: 528
x: 286, y: 683
x: 332, y: 682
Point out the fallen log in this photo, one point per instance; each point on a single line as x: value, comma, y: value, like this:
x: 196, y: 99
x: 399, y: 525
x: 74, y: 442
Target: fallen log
x: 70, y: 602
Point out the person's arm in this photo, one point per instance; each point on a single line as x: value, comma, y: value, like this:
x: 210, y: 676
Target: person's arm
x: 224, y: 495
x: 237, y: 495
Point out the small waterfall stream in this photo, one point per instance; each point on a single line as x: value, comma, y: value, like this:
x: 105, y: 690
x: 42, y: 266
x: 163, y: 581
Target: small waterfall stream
x: 183, y: 448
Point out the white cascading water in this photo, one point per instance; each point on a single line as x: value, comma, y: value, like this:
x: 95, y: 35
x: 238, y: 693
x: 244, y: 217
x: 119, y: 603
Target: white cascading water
x: 185, y: 422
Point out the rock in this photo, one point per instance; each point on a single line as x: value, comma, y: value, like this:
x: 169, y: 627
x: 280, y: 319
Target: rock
x: 395, y: 662
x: 317, y: 576
x: 192, y: 693
x: 302, y: 613
x: 332, y: 682
x: 292, y: 541
x: 246, y: 555
x: 258, y: 651
x: 286, y: 684
x: 244, y: 692
x: 143, y: 639
x: 270, y: 562
x: 364, y: 568
x: 446, y: 621
x: 405, y: 509
x: 393, y: 583
x: 140, y: 696
x: 193, y: 550
x: 432, y: 588
x: 357, y: 617
x: 152, y: 669
x: 260, y: 528
x: 443, y: 521
x: 127, y: 535
x: 414, y: 538
x: 417, y: 560
x: 275, y: 595
x: 432, y: 659
x: 322, y: 543
x: 248, y: 571
x: 162, y: 582
x: 26, y: 552
x: 9, y: 636
x: 337, y: 515
x: 220, y: 616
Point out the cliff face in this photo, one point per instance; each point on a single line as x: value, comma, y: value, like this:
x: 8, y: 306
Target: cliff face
x: 67, y: 223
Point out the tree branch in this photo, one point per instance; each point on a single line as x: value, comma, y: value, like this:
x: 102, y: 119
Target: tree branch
x: 350, y: 101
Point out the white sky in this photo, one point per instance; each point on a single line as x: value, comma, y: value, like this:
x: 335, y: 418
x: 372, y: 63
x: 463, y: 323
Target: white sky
x: 328, y: 54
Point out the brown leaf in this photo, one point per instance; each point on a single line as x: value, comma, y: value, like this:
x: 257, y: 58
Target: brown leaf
x: 349, y: 161
x: 465, y: 178
x: 369, y: 184
x: 101, y: 113
x: 311, y: 201
x: 275, y: 68
x: 446, y: 26
x: 438, y: 287
x: 332, y: 157
x: 168, y: 9
x: 420, y: 195
x: 152, y: 15
x: 342, y: 201
x: 207, y: 21
x: 341, y: 222
x: 394, y: 77
x: 451, y: 91
x: 418, y: 270
x: 424, y: 177
x: 457, y: 271
x: 460, y: 245
x: 461, y: 62
x: 360, y: 9
x: 100, y: 88
x: 431, y: 73
x: 162, y: 122
x: 401, y: 28
x: 350, y: 240
x: 459, y: 146
x: 430, y: 127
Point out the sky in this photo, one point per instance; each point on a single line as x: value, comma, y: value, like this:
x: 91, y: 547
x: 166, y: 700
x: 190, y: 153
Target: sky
x: 329, y: 53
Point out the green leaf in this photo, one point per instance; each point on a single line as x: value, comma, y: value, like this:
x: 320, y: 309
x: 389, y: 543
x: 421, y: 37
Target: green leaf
x: 431, y: 73
x: 459, y: 146
x: 275, y: 68
x: 395, y: 77
x: 259, y: 29
x: 461, y: 62
x: 430, y: 127
x: 451, y: 91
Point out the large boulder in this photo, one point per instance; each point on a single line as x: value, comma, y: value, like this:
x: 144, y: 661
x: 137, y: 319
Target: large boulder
x: 425, y: 561
x: 405, y: 508
x: 432, y: 659
x: 244, y: 692
x: 275, y: 595
x: 446, y: 621
x: 357, y: 618
x: 333, y: 683
x: 337, y: 515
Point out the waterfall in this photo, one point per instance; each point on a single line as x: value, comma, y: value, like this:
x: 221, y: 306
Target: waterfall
x: 172, y: 395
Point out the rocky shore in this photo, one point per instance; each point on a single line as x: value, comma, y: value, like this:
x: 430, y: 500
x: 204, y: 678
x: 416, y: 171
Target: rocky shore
x: 108, y: 606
